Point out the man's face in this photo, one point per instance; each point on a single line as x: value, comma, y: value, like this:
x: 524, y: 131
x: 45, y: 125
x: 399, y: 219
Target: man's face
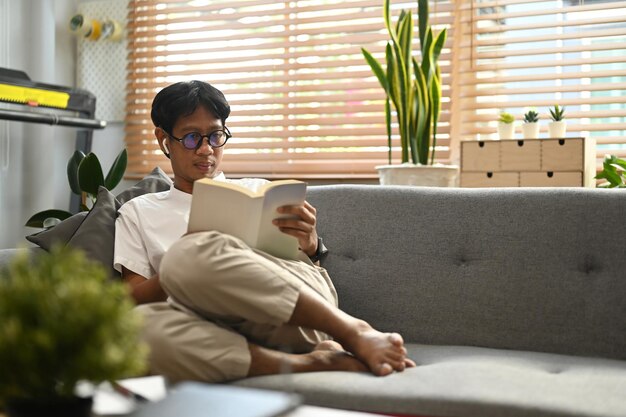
x: 189, y: 164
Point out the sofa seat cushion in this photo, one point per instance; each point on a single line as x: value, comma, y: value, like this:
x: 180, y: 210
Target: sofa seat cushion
x: 459, y: 381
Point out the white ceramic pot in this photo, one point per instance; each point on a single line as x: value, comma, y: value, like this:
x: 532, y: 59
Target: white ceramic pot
x: 530, y: 130
x: 436, y: 175
x: 506, y: 130
x: 557, y: 129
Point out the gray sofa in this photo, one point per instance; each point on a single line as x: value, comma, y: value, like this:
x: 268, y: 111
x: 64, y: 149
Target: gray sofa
x: 512, y: 301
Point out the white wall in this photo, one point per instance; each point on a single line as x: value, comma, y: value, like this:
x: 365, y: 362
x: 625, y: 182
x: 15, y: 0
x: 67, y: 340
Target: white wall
x: 34, y: 38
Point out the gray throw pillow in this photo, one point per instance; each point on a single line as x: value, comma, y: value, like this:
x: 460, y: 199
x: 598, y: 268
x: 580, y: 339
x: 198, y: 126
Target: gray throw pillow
x: 156, y: 181
x: 61, y: 233
x: 96, y: 235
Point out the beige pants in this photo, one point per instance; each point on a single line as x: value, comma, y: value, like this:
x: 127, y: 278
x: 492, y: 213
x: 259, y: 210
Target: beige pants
x: 224, y: 295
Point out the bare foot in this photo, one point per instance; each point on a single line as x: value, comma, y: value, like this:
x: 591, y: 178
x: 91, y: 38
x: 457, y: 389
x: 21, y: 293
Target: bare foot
x: 327, y: 356
x: 383, y: 353
x: 331, y: 356
x: 329, y: 345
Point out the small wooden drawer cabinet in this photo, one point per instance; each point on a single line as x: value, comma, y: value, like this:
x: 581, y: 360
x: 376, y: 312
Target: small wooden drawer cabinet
x: 569, y: 162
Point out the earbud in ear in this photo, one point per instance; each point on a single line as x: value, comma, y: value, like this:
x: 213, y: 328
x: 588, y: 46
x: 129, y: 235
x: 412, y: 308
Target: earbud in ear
x: 167, y: 150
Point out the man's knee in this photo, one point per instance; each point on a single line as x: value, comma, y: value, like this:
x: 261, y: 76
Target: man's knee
x: 184, y: 347
x: 190, y: 259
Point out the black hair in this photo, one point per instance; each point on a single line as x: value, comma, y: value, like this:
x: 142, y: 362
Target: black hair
x: 183, y: 98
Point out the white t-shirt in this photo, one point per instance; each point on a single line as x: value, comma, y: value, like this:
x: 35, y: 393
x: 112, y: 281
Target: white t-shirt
x: 149, y: 224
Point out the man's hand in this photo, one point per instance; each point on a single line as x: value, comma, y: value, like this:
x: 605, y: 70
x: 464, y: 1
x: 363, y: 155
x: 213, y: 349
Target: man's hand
x: 302, y: 226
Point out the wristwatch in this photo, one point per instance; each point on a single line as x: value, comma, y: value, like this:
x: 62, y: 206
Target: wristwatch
x: 320, y: 253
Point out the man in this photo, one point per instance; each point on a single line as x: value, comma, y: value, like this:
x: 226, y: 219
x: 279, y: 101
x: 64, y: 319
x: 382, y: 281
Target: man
x: 231, y: 311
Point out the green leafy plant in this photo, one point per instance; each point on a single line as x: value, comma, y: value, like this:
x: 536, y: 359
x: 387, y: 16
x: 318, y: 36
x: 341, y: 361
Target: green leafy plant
x: 557, y: 113
x: 85, y: 175
x: 414, y: 88
x: 62, y: 322
x: 613, y: 171
x: 506, y: 118
x: 531, y: 116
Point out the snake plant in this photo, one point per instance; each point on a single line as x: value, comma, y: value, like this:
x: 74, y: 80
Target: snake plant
x: 414, y: 88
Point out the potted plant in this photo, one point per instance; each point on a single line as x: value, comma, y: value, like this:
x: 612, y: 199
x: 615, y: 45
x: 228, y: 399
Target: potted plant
x: 506, y: 127
x: 62, y: 322
x: 414, y: 89
x: 613, y: 171
x: 557, y: 127
x: 530, y: 128
x: 85, y: 175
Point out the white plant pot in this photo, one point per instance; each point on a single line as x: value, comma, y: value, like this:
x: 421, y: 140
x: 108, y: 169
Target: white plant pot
x: 506, y: 130
x: 557, y: 129
x: 530, y: 130
x: 436, y: 175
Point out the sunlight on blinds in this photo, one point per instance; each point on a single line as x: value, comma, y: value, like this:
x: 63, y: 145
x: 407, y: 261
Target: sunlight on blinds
x: 304, y: 102
x: 517, y: 55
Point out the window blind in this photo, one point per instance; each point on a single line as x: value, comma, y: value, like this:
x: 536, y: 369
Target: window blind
x: 516, y: 55
x: 304, y: 102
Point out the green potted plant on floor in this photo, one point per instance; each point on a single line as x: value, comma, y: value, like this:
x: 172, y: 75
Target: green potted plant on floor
x: 613, y: 171
x: 530, y: 128
x: 62, y: 322
x: 557, y: 127
x: 506, y: 126
x: 85, y: 175
x: 414, y: 90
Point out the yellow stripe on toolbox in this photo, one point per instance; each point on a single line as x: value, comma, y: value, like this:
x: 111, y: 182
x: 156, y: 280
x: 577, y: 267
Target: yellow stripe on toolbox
x: 33, y: 96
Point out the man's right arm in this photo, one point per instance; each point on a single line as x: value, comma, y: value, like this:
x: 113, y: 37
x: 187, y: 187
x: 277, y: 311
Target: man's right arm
x: 132, y: 259
x: 143, y: 290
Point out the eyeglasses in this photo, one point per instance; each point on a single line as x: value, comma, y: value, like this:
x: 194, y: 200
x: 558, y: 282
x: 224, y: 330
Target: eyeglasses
x: 193, y: 140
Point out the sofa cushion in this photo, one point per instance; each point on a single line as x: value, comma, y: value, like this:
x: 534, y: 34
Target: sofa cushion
x: 470, y: 382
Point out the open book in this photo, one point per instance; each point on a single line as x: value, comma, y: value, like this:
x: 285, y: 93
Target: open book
x: 235, y: 210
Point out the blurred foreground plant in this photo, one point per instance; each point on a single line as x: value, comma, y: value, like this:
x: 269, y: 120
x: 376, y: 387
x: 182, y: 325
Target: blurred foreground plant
x: 63, y: 322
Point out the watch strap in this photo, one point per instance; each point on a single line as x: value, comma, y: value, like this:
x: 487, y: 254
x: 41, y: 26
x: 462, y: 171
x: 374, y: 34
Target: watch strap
x: 321, y: 251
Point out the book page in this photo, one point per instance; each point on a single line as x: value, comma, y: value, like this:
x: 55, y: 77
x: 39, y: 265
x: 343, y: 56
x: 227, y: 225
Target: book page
x: 225, y: 209
x: 270, y: 238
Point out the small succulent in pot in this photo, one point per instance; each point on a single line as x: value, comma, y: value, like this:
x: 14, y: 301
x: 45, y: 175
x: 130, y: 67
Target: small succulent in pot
x: 557, y: 113
x: 506, y: 128
x: 557, y: 127
x: 531, y: 116
x: 530, y: 128
x: 506, y: 118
